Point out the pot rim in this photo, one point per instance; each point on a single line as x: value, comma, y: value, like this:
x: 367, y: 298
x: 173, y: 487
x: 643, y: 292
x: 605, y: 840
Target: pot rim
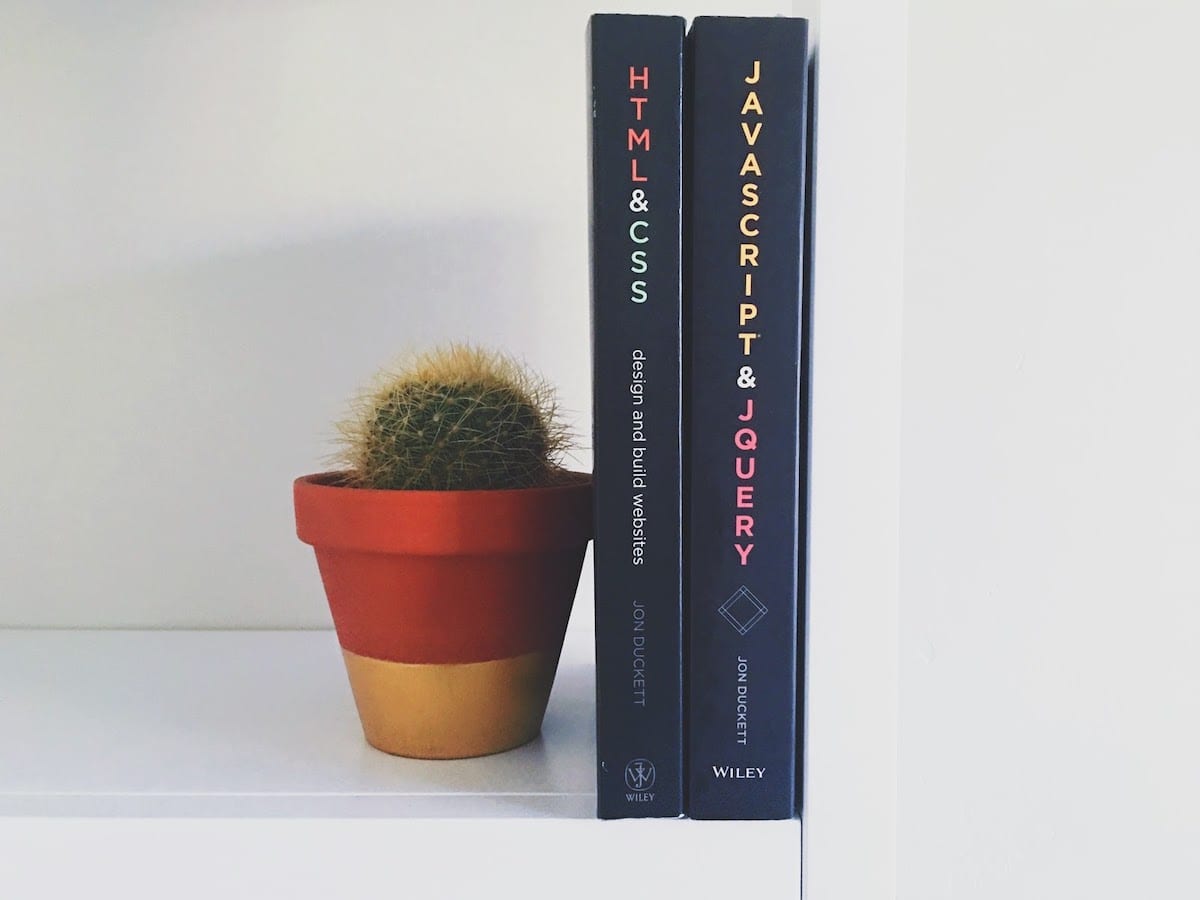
x: 331, y: 479
x: 442, y: 523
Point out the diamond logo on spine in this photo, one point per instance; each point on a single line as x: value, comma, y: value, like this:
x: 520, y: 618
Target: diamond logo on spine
x: 639, y: 775
x: 743, y: 610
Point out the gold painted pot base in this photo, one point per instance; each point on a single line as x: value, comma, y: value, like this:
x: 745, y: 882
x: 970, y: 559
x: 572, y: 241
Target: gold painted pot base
x: 451, y: 710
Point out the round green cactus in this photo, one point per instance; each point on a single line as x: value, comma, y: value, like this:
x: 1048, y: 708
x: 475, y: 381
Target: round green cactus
x: 460, y: 418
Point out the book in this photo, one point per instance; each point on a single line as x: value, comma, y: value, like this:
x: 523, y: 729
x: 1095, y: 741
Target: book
x: 636, y: 66
x: 745, y: 184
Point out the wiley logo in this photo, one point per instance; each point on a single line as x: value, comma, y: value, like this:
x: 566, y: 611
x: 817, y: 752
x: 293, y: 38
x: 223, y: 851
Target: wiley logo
x: 738, y: 773
x: 639, y: 778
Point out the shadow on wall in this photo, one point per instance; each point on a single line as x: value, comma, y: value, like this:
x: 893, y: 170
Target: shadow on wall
x: 152, y: 422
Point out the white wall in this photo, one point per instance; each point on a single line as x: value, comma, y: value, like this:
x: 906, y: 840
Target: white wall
x: 851, y: 680
x: 1049, y: 705
x: 216, y: 220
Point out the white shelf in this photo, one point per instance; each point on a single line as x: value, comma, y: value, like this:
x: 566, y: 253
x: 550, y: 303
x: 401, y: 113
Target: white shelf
x: 145, y: 757
x: 249, y: 723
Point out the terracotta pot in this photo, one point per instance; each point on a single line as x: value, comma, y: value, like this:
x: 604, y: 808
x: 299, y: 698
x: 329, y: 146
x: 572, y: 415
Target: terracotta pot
x: 450, y: 606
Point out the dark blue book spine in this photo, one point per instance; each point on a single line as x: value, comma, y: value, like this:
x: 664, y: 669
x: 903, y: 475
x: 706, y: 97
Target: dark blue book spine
x: 746, y: 182
x: 636, y: 65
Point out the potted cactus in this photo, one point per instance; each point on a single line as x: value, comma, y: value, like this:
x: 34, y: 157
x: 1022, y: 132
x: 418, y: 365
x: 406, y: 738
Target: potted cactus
x: 450, y: 543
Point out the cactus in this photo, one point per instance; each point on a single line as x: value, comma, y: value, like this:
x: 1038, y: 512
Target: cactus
x: 460, y: 418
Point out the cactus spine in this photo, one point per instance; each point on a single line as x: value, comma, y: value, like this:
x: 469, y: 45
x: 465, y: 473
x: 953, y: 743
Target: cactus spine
x: 459, y: 418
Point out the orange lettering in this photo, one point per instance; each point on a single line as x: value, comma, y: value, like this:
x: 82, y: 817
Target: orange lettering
x: 639, y: 139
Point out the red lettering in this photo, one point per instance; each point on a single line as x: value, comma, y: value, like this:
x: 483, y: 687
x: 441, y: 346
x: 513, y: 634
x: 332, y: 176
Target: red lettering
x: 639, y: 139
